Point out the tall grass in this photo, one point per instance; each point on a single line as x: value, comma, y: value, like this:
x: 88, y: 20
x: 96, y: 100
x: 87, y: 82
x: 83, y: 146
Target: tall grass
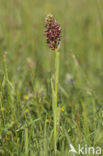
x: 28, y: 126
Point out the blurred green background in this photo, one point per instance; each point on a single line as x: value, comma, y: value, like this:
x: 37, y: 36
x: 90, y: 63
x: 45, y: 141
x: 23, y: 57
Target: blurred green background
x: 30, y: 65
x: 22, y: 36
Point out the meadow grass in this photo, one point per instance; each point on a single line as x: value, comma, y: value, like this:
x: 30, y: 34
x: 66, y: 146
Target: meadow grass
x: 26, y: 68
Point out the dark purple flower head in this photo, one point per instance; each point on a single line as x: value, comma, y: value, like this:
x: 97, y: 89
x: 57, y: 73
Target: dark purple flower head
x: 52, y: 32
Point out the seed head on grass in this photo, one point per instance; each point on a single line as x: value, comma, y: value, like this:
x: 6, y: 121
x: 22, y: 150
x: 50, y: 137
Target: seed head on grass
x: 52, y: 32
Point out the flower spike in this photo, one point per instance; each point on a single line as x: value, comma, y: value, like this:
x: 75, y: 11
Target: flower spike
x: 52, y: 32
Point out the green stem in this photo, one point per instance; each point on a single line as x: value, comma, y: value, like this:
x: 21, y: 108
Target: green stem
x: 26, y: 141
x: 56, y: 75
x: 56, y: 97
